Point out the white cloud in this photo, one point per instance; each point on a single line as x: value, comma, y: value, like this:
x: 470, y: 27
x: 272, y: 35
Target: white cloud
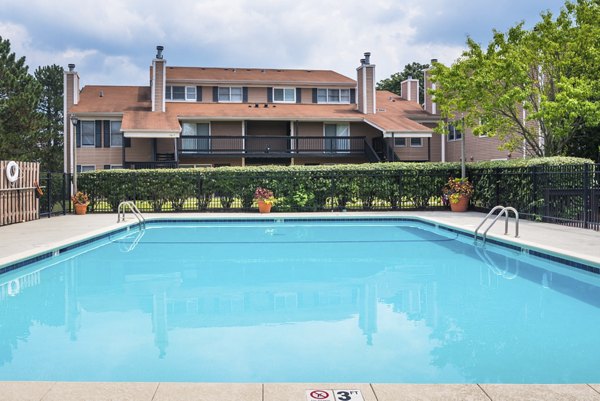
x: 113, y: 43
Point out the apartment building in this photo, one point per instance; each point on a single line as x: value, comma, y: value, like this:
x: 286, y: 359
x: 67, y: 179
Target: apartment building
x: 201, y: 117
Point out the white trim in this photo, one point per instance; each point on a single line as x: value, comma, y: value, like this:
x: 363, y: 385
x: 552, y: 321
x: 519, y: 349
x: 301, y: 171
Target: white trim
x: 75, y: 88
x: 153, y: 88
x: 443, y: 147
x: 116, y: 166
x: 87, y: 165
x: 81, y: 128
x: 339, y: 95
x: 374, y: 91
x: 407, y: 134
x: 284, y: 89
x: 110, y: 133
x: 66, y: 128
x: 164, y: 106
x: 230, y: 101
x: 399, y: 137
x: 416, y: 146
x: 150, y: 134
x: 364, y: 70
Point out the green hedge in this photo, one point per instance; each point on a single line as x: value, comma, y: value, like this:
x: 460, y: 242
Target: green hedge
x: 379, y: 186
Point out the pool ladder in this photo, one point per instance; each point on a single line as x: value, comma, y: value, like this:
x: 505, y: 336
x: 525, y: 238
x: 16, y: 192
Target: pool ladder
x: 503, y: 211
x: 133, y: 208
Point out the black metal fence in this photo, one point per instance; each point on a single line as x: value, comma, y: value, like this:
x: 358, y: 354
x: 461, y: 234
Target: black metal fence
x: 567, y: 194
x: 57, y: 194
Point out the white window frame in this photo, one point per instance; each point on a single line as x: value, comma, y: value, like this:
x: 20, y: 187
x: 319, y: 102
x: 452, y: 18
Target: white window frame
x: 111, y: 135
x: 195, y: 136
x: 187, y: 90
x: 285, y: 89
x: 93, y: 123
x: 400, y: 146
x: 116, y: 167
x: 328, y: 96
x: 452, y: 133
x: 229, y: 94
x: 88, y: 167
x: 416, y: 146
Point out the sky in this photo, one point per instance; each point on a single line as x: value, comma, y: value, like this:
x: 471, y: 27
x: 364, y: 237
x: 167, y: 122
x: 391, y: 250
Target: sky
x: 113, y: 42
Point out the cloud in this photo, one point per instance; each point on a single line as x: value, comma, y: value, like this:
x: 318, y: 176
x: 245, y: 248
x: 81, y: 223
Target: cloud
x: 114, y: 43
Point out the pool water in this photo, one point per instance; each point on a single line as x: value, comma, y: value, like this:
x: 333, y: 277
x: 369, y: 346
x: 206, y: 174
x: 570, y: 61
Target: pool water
x: 313, y: 301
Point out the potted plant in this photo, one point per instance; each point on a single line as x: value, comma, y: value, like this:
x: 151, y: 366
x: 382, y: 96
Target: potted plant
x: 80, y: 201
x: 264, y: 198
x: 457, y: 192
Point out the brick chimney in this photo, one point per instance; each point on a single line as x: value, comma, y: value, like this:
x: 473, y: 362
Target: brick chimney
x: 430, y: 106
x: 71, y: 98
x: 158, y: 80
x: 410, y: 89
x: 366, y: 86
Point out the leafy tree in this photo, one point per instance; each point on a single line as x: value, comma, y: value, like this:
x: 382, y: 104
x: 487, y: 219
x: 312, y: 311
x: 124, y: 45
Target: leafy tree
x: 414, y: 70
x: 50, y: 135
x: 19, y: 98
x: 539, y: 86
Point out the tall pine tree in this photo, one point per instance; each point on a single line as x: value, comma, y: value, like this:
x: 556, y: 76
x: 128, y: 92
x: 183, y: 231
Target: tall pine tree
x: 50, y: 135
x: 19, y: 99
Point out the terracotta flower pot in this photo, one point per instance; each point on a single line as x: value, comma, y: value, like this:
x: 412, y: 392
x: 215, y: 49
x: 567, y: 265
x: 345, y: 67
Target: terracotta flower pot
x: 264, y: 207
x: 80, y: 208
x: 461, y: 206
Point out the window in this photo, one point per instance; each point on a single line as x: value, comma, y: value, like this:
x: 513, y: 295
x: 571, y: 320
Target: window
x: 333, y: 95
x: 195, y: 137
x: 230, y: 94
x: 88, y: 133
x: 416, y: 142
x: 187, y: 93
x: 454, y: 133
x: 284, y: 95
x: 84, y: 168
x: 116, y: 136
x: 400, y: 142
x: 337, y: 138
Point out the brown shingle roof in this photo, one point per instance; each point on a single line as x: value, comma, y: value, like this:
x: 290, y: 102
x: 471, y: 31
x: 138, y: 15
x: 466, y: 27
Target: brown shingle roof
x: 257, y: 76
x: 149, y: 121
x: 112, y: 99
x: 394, y: 114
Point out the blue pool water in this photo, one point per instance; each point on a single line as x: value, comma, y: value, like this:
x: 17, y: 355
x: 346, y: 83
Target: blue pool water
x: 374, y: 301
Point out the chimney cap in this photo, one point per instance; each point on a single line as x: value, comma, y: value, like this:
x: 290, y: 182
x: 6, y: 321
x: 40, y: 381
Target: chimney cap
x: 71, y: 67
x: 367, y: 57
x: 159, y: 50
x: 434, y: 60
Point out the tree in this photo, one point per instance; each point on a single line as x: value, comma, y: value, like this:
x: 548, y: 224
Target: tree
x: 539, y: 86
x: 50, y: 135
x: 19, y: 98
x: 414, y: 70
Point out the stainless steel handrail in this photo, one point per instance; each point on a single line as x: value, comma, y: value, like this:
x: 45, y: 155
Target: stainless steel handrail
x: 134, y: 210
x: 503, y: 211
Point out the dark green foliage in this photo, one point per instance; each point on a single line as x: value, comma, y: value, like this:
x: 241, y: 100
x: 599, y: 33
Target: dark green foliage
x: 530, y: 185
x: 414, y: 70
x: 19, y: 98
x: 50, y: 107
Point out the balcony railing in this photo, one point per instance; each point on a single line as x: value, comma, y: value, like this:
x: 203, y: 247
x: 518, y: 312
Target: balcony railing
x: 264, y: 146
x: 150, y: 165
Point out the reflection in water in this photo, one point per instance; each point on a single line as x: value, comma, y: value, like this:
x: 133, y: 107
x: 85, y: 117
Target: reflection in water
x: 383, y: 313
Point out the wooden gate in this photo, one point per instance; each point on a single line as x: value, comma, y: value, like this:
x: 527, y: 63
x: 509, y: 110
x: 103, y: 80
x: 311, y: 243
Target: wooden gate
x: 18, y: 201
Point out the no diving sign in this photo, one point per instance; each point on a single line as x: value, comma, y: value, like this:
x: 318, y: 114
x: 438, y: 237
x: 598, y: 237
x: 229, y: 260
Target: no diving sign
x: 333, y: 395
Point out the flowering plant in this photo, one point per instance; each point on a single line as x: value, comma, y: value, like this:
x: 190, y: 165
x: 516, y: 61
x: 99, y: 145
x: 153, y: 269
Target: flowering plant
x: 264, y: 195
x: 80, y: 198
x: 456, y: 188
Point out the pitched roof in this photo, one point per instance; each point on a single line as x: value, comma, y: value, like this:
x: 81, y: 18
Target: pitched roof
x: 394, y: 114
x: 260, y: 76
x: 112, y: 99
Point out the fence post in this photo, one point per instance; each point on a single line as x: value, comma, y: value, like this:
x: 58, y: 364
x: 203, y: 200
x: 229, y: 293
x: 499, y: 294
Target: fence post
x: 332, y: 190
x: 534, y: 189
x: 587, y: 207
x: 497, y: 181
x: 49, y: 193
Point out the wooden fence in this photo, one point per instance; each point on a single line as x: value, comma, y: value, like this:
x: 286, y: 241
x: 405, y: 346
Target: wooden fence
x: 18, y: 201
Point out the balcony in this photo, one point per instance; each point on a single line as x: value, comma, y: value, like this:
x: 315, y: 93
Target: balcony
x: 271, y: 146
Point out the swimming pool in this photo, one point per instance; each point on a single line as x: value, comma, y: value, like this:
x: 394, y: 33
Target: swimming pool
x: 389, y: 300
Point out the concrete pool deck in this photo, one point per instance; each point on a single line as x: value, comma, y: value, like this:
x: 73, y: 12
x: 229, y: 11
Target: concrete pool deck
x: 19, y: 241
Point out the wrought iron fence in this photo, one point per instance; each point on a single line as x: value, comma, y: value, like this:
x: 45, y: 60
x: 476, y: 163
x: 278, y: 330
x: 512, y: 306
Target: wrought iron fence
x: 57, y: 194
x: 567, y: 195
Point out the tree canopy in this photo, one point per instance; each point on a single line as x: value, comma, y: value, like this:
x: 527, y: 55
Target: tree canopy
x: 30, y: 111
x: 414, y: 70
x: 540, y: 86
